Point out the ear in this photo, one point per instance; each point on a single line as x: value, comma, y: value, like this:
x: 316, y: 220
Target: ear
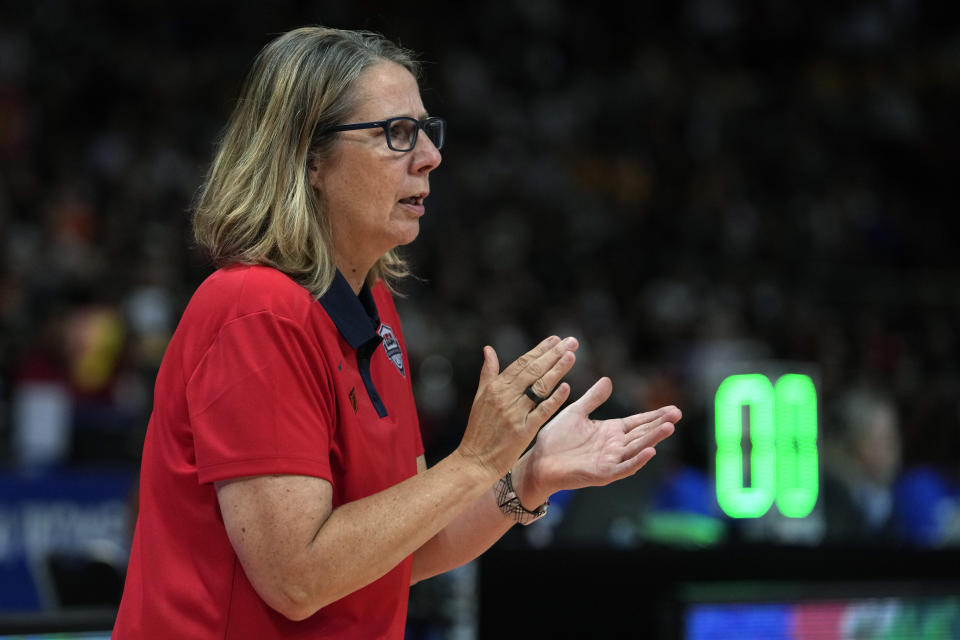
x: 314, y: 174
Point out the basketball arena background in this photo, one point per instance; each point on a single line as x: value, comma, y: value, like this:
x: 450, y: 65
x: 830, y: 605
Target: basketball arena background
x: 746, y: 209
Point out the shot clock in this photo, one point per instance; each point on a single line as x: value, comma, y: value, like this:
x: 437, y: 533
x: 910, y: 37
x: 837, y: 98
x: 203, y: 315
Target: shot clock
x: 765, y: 438
x: 780, y: 422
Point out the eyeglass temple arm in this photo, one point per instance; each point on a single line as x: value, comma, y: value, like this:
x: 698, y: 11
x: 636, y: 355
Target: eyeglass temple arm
x: 357, y: 125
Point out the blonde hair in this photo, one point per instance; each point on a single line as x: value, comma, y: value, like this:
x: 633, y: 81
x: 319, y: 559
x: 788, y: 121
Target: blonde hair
x: 256, y: 205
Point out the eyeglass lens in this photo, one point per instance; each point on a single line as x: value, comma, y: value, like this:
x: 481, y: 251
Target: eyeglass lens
x: 435, y: 128
x: 403, y: 132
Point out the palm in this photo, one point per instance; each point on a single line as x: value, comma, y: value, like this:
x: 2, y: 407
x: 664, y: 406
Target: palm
x: 573, y: 451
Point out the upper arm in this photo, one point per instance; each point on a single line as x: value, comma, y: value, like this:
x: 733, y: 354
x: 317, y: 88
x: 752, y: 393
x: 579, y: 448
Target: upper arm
x: 271, y: 521
x: 260, y: 402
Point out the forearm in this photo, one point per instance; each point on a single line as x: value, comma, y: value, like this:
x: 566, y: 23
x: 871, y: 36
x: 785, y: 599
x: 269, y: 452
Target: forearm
x: 363, y: 540
x: 300, y: 554
x: 475, y: 529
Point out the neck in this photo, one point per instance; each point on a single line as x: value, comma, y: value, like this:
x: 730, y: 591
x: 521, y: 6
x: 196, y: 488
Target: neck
x: 355, y: 281
x: 353, y: 273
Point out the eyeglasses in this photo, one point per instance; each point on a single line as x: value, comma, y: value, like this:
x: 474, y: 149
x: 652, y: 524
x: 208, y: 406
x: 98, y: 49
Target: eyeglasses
x: 402, y: 132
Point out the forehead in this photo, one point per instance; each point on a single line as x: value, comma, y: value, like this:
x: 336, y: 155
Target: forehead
x: 385, y: 90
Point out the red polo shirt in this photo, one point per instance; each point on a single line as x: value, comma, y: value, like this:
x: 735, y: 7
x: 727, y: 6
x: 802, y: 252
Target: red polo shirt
x: 261, y: 378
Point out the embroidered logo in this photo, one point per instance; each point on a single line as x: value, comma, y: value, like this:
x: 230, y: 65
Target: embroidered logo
x: 353, y: 399
x: 392, y: 347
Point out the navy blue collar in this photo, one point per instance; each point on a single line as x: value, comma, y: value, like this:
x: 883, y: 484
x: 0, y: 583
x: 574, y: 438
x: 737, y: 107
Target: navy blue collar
x: 355, y: 316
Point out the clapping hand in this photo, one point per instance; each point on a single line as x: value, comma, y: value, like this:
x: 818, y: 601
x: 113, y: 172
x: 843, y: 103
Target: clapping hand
x: 573, y: 451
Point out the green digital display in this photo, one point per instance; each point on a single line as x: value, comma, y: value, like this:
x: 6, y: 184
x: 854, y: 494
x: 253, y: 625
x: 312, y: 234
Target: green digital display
x: 798, y: 471
x: 779, y: 424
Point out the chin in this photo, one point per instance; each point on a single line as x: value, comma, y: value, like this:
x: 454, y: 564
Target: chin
x: 410, y: 235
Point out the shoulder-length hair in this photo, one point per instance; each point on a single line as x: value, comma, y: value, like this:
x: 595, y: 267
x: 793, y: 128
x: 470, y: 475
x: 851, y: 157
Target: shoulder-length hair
x: 256, y: 205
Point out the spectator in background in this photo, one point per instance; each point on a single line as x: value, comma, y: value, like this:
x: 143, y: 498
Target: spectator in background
x: 42, y: 402
x: 860, y: 476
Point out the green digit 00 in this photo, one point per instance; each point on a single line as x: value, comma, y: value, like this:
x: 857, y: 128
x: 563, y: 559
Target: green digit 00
x: 783, y: 445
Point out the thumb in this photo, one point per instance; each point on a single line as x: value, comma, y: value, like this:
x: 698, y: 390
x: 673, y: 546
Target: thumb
x: 491, y: 366
x: 595, y: 396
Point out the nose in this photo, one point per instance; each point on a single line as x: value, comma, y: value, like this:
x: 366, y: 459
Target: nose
x: 426, y: 156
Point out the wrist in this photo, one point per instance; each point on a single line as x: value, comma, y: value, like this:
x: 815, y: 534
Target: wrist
x: 528, y: 482
x: 480, y: 473
x: 510, y: 504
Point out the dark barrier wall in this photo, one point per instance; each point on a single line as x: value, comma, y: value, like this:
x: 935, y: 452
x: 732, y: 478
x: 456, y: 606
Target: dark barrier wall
x: 660, y: 592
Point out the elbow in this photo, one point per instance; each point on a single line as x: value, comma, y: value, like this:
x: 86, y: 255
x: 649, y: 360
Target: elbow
x: 289, y: 598
x: 290, y: 591
x: 292, y: 604
x: 297, y: 614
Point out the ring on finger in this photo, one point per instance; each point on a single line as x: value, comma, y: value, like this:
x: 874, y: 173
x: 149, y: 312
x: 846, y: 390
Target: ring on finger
x: 533, y: 395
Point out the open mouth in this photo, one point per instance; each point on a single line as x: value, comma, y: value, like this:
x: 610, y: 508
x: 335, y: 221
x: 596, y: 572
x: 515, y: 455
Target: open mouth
x: 416, y: 200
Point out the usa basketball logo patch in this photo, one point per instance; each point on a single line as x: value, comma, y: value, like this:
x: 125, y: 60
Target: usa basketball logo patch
x: 392, y: 347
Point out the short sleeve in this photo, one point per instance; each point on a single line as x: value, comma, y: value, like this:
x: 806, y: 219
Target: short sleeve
x: 260, y: 402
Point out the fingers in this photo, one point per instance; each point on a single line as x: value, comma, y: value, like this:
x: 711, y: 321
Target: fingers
x: 647, y: 437
x: 540, y: 362
x: 542, y: 412
x: 544, y: 374
x: 542, y: 368
x: 652, y: 418
x: 526, y: 359
x: 545, y: 384
x: 654, y: 427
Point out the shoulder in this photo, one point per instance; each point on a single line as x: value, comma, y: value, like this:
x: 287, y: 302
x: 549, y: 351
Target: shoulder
x: 241, y: 305
x: 241, y: 290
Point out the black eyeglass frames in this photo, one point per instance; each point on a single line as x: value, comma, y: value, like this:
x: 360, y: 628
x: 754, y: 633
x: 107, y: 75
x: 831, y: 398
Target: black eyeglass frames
x: 401, y: 132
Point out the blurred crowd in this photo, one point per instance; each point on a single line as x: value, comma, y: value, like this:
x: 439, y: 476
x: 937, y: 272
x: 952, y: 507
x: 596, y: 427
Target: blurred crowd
x: 681, y: 186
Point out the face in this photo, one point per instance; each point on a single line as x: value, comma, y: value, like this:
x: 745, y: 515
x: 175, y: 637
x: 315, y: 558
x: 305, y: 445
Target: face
x: 878, y: 450
x: 374, y: 195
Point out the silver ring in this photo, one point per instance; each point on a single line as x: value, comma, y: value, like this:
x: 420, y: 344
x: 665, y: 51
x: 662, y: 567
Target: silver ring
x: 530, y: 393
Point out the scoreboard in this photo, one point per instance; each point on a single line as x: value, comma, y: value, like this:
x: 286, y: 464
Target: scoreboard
x: 779, y: 420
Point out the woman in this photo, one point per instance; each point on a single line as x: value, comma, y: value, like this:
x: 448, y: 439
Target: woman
x: 284, y: 492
